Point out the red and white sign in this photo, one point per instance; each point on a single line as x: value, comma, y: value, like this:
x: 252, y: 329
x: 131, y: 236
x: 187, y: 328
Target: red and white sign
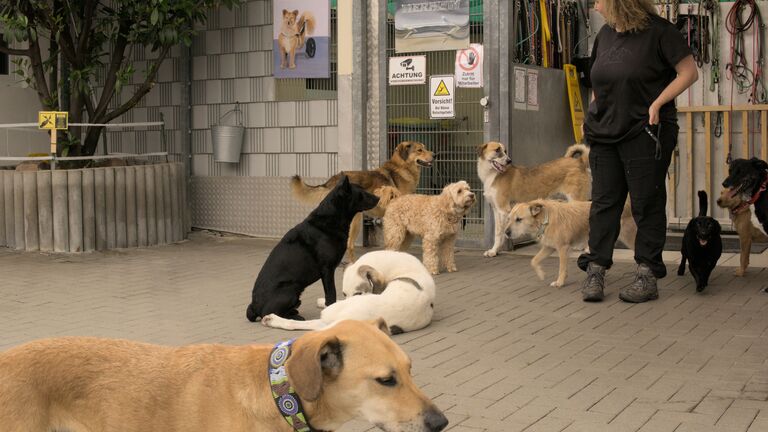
x: 469, y: 66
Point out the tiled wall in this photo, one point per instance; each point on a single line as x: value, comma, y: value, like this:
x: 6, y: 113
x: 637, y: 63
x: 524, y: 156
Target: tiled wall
x: 232, y: 61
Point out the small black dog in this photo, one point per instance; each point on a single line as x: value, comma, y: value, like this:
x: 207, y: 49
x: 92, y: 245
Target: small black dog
x: 702, y: 245
x: 309, y: 251
x: 748, y: 178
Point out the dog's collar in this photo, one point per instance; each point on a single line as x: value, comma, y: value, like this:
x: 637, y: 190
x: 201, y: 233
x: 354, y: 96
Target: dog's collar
x: 542, y: 227
x: 410, y: 281
x: 284, y: 394
x: 743, y: 206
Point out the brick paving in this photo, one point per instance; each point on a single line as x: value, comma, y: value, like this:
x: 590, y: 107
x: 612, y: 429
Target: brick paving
x: 505, y: 352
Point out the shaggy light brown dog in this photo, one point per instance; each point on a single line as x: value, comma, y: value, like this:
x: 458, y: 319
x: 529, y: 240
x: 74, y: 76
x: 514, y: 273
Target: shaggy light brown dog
x: 434, y: 218
x: 560, y: 226
x: 505, y: 184
x: 79, y: 384
x: 741, y: 217
x: 402, y: 171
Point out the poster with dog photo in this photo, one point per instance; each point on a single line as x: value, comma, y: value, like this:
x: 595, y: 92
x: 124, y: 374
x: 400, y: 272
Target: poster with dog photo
x: 431, y: 25
x: 301, y: 38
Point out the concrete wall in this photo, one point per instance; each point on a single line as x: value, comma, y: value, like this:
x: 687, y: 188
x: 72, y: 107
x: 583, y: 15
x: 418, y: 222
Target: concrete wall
x: 93, y: 209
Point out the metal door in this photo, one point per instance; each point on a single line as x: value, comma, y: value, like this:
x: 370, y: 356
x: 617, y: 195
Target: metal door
x: 454, y: 141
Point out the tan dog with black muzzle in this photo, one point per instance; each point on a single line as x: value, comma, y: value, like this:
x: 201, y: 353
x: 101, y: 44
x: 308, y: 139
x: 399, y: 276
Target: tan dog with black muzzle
x: 79, y: 384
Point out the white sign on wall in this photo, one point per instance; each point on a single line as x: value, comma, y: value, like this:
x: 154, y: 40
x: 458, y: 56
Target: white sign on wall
x: 441, y: 97
x: 408, y: 70
x: 469, y: 67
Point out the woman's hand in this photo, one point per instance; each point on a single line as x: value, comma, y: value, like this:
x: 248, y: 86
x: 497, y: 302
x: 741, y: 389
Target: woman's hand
x: 653, y: 114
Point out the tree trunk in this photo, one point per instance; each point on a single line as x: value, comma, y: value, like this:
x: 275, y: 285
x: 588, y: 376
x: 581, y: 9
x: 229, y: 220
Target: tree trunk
x: 91, y: 142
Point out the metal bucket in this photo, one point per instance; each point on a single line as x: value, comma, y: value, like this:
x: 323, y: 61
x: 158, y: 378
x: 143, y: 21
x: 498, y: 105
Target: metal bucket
x: 228, y: 139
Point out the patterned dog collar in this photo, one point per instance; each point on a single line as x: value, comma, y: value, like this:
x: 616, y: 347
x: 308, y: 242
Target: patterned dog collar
x: 285, y: 396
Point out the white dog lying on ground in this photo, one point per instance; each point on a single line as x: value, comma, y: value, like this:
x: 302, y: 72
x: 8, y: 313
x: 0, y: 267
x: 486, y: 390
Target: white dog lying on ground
x: 388, y: 284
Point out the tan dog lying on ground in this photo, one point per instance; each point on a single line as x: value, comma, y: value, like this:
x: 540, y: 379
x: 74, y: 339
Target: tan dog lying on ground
x: 402, y: 171
x: 741, y: 216
x: 560, y: 226
x: 435, y: 218
x: 505, y: 184
x: 83, y: 384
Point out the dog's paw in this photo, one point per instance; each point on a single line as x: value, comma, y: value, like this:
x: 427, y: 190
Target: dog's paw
x: 556, y: 284
x: 293, y: 66
x: 681, y: 272
x: 321, y: 303
x: 267, y: 320
x: 490, y: 253
x: 452, y: 269
x: 739, y: 272
x: 434, y: 272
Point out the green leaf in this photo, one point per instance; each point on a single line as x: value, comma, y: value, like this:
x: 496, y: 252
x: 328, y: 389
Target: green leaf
x: 155, y: 16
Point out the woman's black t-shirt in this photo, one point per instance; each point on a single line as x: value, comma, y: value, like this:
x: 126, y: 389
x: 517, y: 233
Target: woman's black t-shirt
x: 629, y: 71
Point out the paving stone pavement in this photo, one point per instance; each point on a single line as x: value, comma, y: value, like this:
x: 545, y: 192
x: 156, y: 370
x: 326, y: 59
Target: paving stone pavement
x: 505, y: 352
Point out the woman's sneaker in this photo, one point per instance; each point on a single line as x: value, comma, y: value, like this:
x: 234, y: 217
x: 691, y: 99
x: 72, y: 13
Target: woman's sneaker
x: 594, y: 285
x: 642, y: 289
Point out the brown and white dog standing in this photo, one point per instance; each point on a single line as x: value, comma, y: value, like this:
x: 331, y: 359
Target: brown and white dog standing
x: 505, y: 184
x: 560, y: 226
x: 741, y: 217
x: 402, y: 171
x: 293, y: 29
x: 79, y: 384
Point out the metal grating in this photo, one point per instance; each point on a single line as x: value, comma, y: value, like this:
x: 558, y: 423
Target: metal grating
x: 454, y: 141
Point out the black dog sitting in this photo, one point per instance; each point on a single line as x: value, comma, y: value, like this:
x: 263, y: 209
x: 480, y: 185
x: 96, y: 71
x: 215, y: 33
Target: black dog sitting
x: 702, y: 245
x: 749, y: 178
x: 309, y: 251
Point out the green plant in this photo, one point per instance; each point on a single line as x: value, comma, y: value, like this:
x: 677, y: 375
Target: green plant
x: 90, y: 54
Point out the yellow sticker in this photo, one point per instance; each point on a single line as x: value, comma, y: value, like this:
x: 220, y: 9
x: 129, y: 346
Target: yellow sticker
x: 442, y: 89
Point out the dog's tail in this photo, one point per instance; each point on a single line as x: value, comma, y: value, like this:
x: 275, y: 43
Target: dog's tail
x: 580, y: 152
x: 702, y: 203
x: 308, y: 194
x: 251, y: 313
x: 307, y: 22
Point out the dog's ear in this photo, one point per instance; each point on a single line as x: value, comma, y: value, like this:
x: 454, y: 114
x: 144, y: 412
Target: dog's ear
x: 536, y: 209
x: 345, y: 183
x: 296, y: 12
x: 381, y: 325
x: 481, y: 149
x: 403, y: 149
x: 759, y: 164
x: 285, y: 12
x: 315, y: 357
x: 374, y: 277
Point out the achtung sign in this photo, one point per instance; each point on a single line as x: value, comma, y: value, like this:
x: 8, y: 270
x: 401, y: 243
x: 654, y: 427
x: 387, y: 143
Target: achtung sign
x: 53, y: 120
x: 407, y: 70
x: 441, y: 97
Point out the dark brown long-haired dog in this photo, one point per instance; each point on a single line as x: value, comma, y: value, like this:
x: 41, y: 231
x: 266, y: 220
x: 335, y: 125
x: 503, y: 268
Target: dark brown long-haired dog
x: 401, y: 171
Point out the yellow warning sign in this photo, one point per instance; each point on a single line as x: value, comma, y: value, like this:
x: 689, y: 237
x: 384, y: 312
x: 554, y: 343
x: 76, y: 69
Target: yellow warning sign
x: 574, y: 97
x: 442, y: 89
x: 53, y: 120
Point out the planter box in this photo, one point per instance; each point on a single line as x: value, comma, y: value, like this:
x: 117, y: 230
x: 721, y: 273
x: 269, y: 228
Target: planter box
x: 93, y: 209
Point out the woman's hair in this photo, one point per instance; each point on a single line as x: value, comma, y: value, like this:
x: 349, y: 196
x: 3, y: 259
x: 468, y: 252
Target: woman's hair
x: 628, y: 15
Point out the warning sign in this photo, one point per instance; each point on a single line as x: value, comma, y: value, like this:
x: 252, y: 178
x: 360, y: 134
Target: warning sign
x: 52, y: 120
x: 442, y: 90
x: 441, y: 97
x: 469, y: 67
x: 407, y: 70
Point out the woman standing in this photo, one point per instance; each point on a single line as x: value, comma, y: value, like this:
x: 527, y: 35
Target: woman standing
x: 640, y: 63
